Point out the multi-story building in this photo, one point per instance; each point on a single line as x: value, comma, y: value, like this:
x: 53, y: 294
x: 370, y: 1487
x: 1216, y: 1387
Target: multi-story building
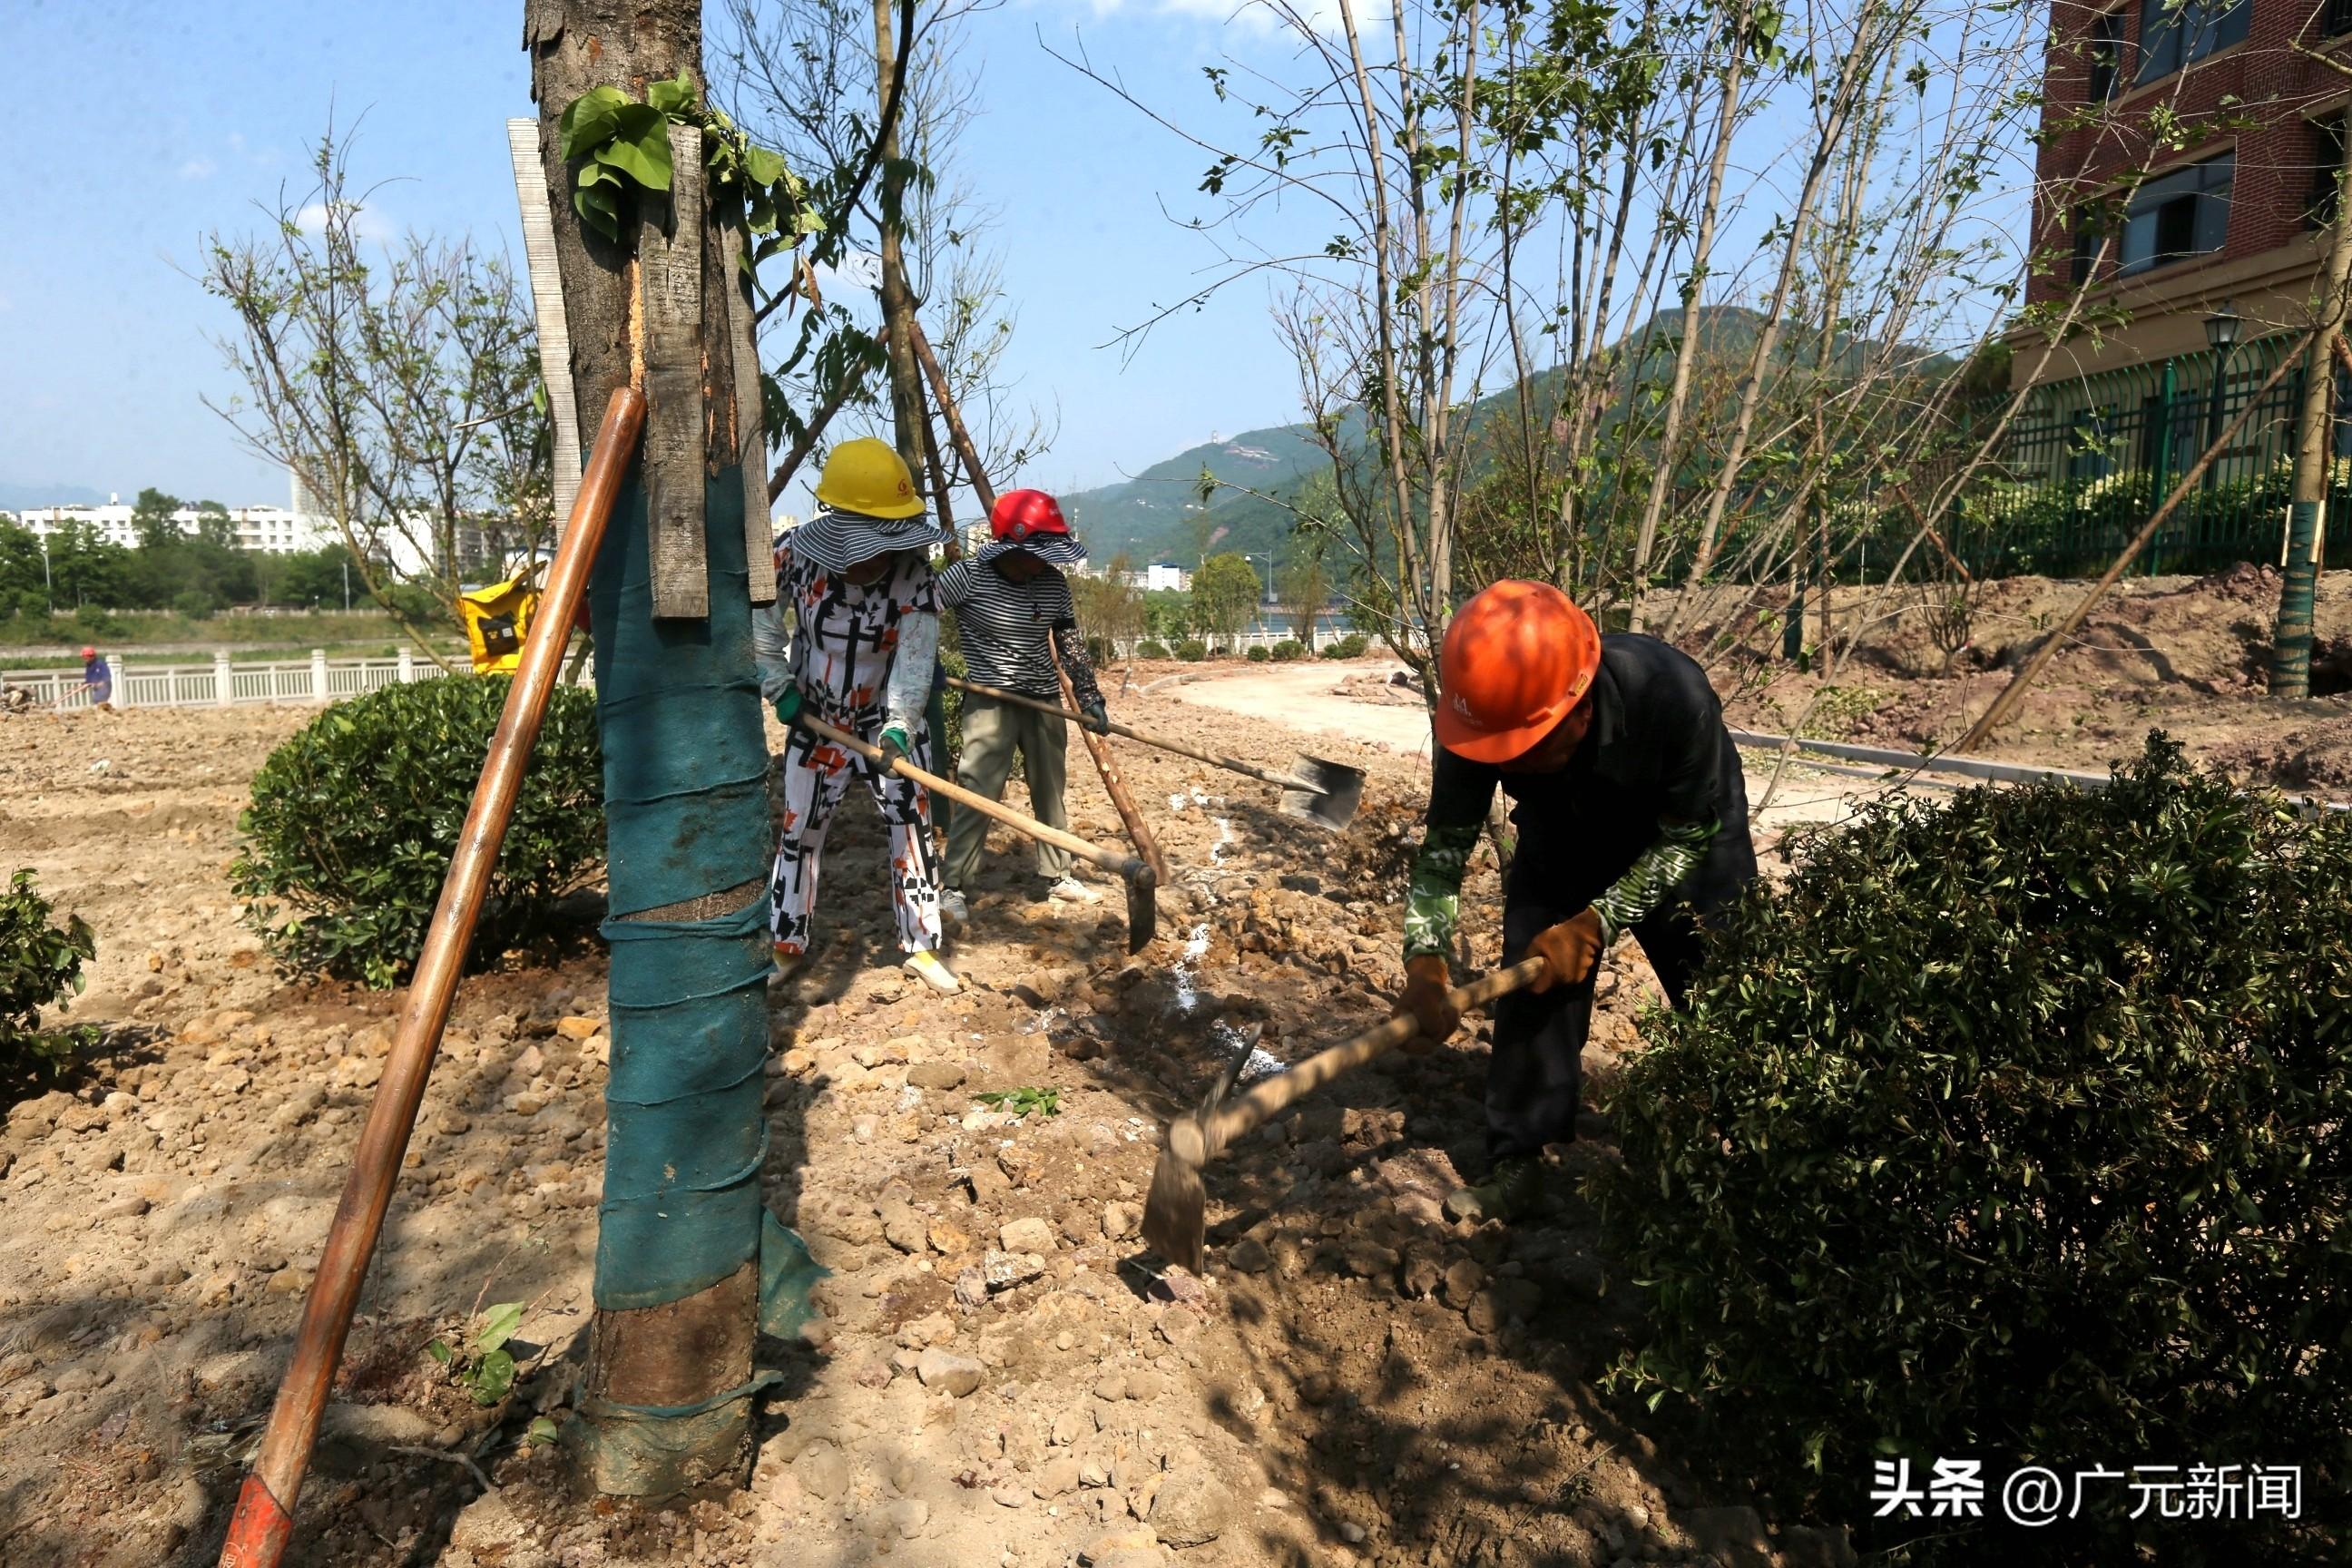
x: 2184, y: 183
x: 273, y: 529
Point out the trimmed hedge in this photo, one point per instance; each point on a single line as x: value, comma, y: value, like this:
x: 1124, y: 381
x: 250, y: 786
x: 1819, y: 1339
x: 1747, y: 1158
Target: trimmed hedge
x: 1258, y: 656
x: 1288, y: 649
x: 1192, y: 650
x: 1150, y: 648
x: 1352, y: 646
x: 2010, y: 1129
x: 355, y: 817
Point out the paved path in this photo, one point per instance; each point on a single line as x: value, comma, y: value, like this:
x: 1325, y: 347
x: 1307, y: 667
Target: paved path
x: 1305, y: 697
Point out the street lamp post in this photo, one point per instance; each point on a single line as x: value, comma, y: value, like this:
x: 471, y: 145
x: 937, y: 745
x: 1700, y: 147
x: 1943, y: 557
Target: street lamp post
x: 2221, y: 333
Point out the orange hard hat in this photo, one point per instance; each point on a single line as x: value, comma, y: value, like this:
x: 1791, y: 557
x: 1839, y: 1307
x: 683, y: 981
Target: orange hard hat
x: 1515, y: 660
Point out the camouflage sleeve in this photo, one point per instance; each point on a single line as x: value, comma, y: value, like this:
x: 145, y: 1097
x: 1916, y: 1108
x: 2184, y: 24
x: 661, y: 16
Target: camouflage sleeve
x: 1432, y: 902
x: 1645, y: 884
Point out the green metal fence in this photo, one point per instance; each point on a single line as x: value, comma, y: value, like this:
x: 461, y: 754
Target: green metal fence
x: 2087, y: 461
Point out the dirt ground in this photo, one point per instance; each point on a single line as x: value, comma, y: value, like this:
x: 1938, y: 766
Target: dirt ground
x: 1357, y: 1380
x: 2187, y: 655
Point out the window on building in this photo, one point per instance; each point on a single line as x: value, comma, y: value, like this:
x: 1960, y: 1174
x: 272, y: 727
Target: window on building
x: 2106, y: 56
x: 2177, y: 216
x: 2177, y: 32
x: 2090, y: 226
x: 2326, y: 163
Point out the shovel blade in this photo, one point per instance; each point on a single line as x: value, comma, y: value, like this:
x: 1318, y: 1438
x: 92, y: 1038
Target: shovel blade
x: 1175, y: 1212
x: 1331, y: 804
x: 1142, y: 909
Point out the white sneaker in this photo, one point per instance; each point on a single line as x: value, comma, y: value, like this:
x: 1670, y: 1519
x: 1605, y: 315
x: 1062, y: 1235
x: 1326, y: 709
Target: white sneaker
x: 1071, y: 891
x: 927, y: 968
x: 953, y: 907
x: 788, y: 961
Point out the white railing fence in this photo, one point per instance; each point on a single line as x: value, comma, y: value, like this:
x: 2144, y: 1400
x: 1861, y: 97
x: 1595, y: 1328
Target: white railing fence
x: 221, y: 683
x: 319, y: 679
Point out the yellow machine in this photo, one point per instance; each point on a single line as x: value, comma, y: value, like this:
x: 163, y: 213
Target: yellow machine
x: 498, y: 617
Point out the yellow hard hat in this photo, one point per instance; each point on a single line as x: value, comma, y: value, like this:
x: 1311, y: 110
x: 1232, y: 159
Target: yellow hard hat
x: 867, y: 476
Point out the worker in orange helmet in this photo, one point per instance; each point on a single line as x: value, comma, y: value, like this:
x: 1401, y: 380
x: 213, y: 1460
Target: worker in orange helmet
x: 1631, y: 815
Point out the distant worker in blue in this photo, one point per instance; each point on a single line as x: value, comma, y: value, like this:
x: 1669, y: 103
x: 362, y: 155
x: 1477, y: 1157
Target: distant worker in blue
x: 97, y: 679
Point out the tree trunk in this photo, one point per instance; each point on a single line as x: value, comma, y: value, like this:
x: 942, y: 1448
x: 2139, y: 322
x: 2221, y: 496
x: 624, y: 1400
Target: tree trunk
x: 1661, y: 479
x: 898, y: 300
x: 2291, y: 636
x: 665, y: 1399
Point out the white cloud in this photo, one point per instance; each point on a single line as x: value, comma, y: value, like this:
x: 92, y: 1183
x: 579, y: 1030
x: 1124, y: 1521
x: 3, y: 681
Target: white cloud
x: 197, y: 169
x: 367, y: 222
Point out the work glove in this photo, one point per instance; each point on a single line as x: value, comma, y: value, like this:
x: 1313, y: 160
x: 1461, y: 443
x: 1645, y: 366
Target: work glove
x: 788, y: 706
x: 894, y: 741
x: 1426, y: 983
x: 1097, y: 716
x: 1569, y: 949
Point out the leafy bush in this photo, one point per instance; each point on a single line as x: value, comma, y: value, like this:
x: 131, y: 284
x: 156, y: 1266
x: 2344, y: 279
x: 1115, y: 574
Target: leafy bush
x: 2010, y: 1129
x: 40, y: 964
x: 195, y: 604
x: 1192, y: 650
x: 1258, y: 656
x: 1352, y: 646
x: 1288, y: 649
x: 354, y: 819
x: 1150, y: 648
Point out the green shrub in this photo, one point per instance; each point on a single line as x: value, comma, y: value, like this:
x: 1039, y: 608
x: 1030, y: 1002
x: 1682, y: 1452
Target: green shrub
x: 1192, y: 650
x: 1150, y: 648
x: 1349, y: 647
x: 1288, y: 649
x: 1258, y: 656
x: 354, y: 819
x: 40, y: 964
x: 2012, y: 1128
x: 195, y: 604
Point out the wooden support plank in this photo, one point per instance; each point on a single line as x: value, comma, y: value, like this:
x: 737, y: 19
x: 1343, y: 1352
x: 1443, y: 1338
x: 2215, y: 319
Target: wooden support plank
x: 751, y: 420
x: 546, y: 306
x: 669, y: 300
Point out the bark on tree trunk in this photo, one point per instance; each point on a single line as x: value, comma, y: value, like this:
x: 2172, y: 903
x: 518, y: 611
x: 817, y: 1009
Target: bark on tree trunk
x: 2290, y: 672
x: 695, y: 1346
x: 898, y: 300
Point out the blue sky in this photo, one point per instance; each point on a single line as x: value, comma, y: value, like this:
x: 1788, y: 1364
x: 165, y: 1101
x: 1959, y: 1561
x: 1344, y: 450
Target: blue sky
x: 183, y: 115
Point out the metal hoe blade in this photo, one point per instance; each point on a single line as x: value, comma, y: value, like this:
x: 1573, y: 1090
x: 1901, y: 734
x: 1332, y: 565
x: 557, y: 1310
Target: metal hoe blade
x: 1334, y: 792
x: 1142, y: 909
x: 1175, y: 1211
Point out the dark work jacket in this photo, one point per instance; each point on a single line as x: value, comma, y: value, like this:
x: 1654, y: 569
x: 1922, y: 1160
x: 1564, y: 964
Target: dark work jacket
x: 1657, y: 748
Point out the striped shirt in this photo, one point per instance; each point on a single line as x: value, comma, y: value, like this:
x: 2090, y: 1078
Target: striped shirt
x: 1004, y: 626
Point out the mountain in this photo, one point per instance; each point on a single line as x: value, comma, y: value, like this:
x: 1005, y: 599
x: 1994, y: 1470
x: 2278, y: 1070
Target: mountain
x: 17, y: 497
x: 1146, y: 517
x: 1143, y: 517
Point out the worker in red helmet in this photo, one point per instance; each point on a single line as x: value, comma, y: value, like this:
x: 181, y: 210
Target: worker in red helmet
x: 1013, y: 616
x: 1631, y: 815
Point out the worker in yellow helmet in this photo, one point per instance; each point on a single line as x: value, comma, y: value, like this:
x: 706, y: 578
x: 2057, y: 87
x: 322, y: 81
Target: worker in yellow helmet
x: 856, y: 577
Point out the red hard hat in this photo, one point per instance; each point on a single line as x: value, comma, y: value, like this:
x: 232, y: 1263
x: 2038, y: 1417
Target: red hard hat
x: 89, y: 653
x: 1020, y: 513
x: 1515, y: 660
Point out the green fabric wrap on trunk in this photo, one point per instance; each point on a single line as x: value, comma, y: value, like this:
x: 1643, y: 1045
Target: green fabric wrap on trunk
x: 686, y: 815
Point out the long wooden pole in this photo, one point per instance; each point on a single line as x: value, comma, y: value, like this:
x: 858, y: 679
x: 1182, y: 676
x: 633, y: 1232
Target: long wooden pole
x: 264, y: 1508
x: 2014, y: 693
x: 1138, y: 832
x: 1183, y: 749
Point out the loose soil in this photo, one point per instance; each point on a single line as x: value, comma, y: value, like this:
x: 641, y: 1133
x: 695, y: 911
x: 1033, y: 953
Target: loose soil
x: 1356, y: 1380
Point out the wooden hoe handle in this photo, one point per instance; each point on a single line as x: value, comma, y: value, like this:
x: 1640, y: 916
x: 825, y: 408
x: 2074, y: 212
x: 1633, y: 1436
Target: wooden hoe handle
x: 1094, y: 854
x: 265, y: 1509
x: 1198, y: 755
x: 1237, y: 1117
